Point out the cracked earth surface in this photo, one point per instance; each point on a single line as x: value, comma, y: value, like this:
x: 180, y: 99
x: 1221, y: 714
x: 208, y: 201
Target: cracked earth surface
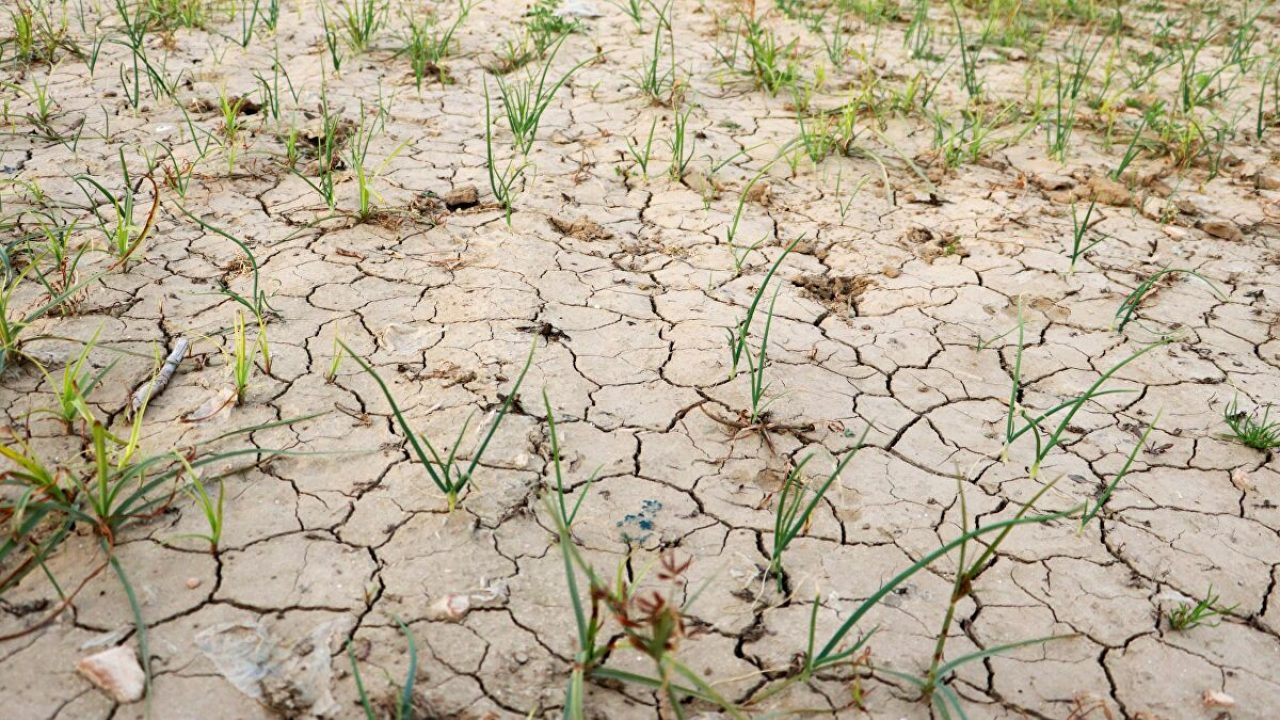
x: 891, y: 313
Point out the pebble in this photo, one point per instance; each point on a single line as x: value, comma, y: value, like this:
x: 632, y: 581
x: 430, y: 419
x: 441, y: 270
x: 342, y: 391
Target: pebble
x: 115, y: 672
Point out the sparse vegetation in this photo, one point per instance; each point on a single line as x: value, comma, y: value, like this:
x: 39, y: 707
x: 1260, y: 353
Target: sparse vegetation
x: 275, y: 208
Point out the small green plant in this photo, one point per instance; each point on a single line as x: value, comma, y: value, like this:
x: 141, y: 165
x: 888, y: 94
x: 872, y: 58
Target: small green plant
x: 122, y: 231
x: 547, y: 28
x: 1132, y: 302
x: 773, y: 64
x: 243, y: 355
x: 934, y: 686
x: 633, y: 9
x: 1079, y: 231
x: 1186, y: 616
x: 524, y: 101
x: 403, y: 708
x: 213, y: 509
x: 795, y: 505
x: 1252, y: 430
x: 658, y: 79
x: 357, y: 162
x: 641, y: 155
x: 447, y: 472
x: 502, y: 182
x: 230, y: 109
x: 681, y: 145
x: 1047, y: 438
x: 1067, y: 94
x: 1134, y: 148
x: 331, y: 40
x: 327, y: 153
x: 428, y: 44
x: 77, y: 384
x: 738, y: 334
x: 740, y: 253
x: 973, y: 84
x: 756, y: 370
x: 362, y: 20
x: 650, y: 623
x: 55, y: 262
x: 14, y: 322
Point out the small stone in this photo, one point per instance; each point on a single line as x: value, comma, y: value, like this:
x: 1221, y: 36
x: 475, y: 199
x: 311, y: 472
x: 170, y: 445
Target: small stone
x: 1051, y: 181
x: 1217, y: 698
x: 115, y: 672
x: 193, y: 583
x: 1224, y: 229
x: 1109, y: 192
x: 759, y: 193
x: 1267, y: 181
x: 462, y: 198
x: 581, y: 229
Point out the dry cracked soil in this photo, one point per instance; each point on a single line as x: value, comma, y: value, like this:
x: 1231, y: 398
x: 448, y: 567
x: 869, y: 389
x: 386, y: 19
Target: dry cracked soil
x: 930, y: 268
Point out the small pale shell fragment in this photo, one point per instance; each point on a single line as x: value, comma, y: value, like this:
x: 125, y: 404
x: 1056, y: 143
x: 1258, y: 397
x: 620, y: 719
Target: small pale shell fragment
x: 452, y: 607
x: 1217, y: 698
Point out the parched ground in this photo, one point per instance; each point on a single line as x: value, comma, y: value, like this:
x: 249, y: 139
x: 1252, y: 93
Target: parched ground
x: 896, y: 313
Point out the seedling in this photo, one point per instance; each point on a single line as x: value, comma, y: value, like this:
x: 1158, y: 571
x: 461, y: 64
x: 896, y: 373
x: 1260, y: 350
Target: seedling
x: 773, y: 64
x: 503, y: 183
x: 546, y: 27
x: 13, y: 324
x: 1089, y: 513
x: 1067, y: 94
x: 328, y: 155
x: 973, y: 84
x: 77, y: 384
x: 1259, y: 433
x: 836, y: 651
x: 526, y: 100
x: 934, y: 685
x: 642, y: 155
x: 1128, y: 309
x: 447, y: 472
x: 243, y: 354
x: 1047, y: 439
x: 738, y: 334
x: 658, y: 79
x: 1186, y: 616
x: 756, y: 368
x: 362, y: 20
x: 1079, y: 231
x: 796, y: 503
x: 123, y: 233
x: 680, y: 140
x: 632, y: 9
x: 403, y: 708
x: 428, y: 44
x: 211, y: 508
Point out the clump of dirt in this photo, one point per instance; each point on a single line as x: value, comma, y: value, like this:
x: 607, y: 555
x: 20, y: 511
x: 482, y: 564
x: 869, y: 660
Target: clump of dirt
x: 580, y: 229
x: 837, y: 293
x: 929, y: 245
